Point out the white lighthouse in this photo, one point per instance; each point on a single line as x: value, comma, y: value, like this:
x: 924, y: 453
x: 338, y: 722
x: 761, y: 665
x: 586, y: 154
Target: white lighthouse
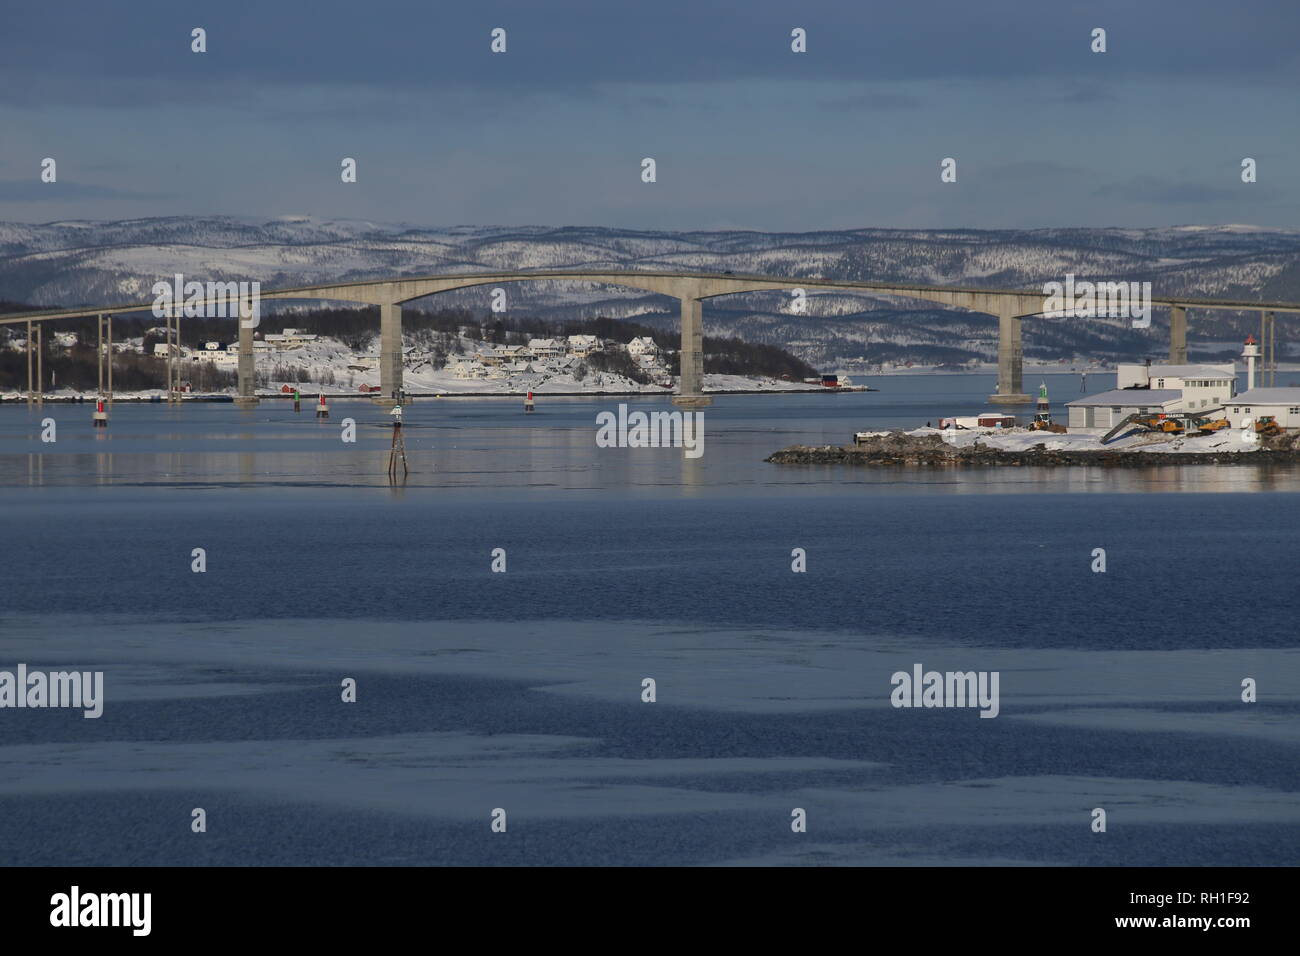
x: 1250, y: 353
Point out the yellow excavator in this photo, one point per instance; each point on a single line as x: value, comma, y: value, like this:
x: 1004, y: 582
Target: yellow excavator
x: 1208, y: 426
x: 1159, y: 423
x: 1267, y: 426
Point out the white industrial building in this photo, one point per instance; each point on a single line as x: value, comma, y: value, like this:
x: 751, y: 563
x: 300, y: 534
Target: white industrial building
x: 1145, y: 389
x: 1204, y: 387
x: 1200, y: 390
x: 1256, y: 403
x: 1108, y: 409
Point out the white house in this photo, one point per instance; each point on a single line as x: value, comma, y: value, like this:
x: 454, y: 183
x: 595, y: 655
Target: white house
x: 468, y: 368
x: 1282, y: 403
x: 647, y: 363
x: 1108, y: 409
x: 295, y: 337
x: 642, y: 345
x: 65, y: 340
x: 514, y: 353
x: 288, y: 339
x: 545, y: 348
x: 565, y: 365
x: 583, y: 345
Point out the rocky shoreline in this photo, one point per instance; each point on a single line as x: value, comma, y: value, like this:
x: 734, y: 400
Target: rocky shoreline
x: 931, y: 451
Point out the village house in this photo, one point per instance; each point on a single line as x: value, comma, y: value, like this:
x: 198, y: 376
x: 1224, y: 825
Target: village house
x: 514, y: 353
x: 545, y: 348
x: 288, y: 339
x: 583, y: 345
x: 566, y: 365
x: 466, y: 368
x: 642, y: 345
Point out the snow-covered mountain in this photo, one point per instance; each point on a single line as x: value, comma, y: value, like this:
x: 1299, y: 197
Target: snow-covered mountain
x: 84, y: 263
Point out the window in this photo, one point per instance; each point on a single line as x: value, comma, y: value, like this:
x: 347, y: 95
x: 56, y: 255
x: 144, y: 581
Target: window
x: 1160, y: 383
x: 1293, y: 411
x: 1116, y: 410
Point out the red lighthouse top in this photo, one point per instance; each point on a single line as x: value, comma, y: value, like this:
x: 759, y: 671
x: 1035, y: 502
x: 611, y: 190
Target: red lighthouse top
x: 1250, y: 340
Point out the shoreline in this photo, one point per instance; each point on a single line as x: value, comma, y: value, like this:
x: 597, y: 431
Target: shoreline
x: 226, y: 399
x: 930, y: 451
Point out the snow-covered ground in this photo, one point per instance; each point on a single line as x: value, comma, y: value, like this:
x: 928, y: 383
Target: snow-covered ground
x: 1089, y: 439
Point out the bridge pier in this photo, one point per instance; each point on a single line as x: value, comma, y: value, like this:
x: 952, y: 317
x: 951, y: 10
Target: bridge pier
x: 247, y: 392
x: 40, y: 367
x: 390, y: 355
x: 1178, y: 335
x: 1011, y: 363
x: 690, y: 389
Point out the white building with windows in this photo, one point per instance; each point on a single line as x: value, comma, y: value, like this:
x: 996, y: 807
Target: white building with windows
x: 468, y: 369
x: 1283, y: 404
x: 642, y: 345
x: 1108, y: 409
x: 1204, y: 387
x: 545, y: 348
x: 289, y: 339
x: 583, y: 345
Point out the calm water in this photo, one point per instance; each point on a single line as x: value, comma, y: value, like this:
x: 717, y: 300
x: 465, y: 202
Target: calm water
x: 522, y: 690
x: 489, y: 446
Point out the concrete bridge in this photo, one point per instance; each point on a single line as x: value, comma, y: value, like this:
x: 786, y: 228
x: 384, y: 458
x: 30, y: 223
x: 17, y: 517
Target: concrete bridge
x: 689, y: 288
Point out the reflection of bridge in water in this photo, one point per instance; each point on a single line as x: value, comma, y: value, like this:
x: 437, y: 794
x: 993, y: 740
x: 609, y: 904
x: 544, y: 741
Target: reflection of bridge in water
x: 689, y: 288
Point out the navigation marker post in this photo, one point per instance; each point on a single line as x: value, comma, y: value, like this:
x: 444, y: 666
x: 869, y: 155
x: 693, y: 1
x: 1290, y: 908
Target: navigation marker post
x: 398, y: 448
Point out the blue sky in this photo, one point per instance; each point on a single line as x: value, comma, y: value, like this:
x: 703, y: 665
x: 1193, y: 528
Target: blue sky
x: 745, y: 133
